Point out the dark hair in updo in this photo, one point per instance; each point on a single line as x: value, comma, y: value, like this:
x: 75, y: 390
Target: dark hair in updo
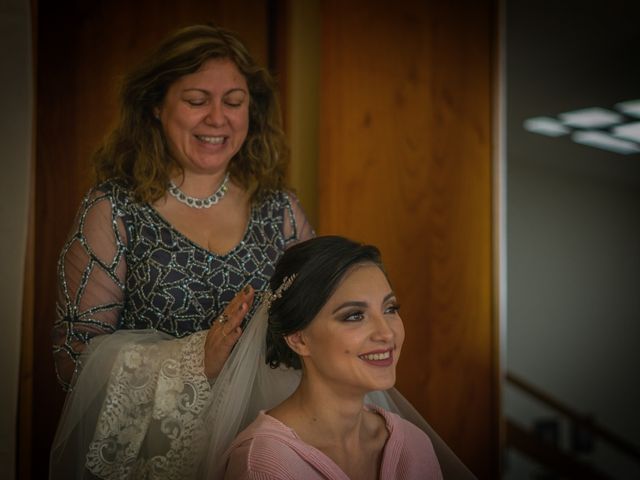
x: 319, y: 265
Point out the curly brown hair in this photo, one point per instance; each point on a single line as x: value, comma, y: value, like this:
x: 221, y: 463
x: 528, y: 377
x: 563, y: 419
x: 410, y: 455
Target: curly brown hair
x: 136, y: 150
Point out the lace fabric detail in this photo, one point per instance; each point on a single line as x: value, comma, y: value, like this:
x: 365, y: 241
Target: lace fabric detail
x: 151, y: 424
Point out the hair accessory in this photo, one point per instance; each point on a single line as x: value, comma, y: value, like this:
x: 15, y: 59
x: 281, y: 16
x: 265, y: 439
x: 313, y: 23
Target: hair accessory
x: 194, y: 202
x: 270, y: 296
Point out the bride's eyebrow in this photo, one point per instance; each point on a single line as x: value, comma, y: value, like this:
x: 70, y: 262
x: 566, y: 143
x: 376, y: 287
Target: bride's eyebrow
x: 352, y: 303
x: 388, y: 296
x: 355, y: 303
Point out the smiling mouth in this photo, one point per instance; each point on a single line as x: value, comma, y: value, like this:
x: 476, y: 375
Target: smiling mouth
x: 211, y: 140
x: 376, y: 357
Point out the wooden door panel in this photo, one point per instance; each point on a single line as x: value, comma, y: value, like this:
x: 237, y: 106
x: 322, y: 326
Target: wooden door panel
x: 405, y: 163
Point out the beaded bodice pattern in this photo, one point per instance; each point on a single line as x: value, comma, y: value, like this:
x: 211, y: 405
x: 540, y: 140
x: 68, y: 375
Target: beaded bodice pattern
x: 155, y: 277
x: 177, y: 287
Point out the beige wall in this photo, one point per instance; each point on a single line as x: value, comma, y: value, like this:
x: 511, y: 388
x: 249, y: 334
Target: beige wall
x: 15, y: 150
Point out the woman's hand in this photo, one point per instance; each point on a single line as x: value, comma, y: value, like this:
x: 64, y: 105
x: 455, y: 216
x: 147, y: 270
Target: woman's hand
x: 225, y: 332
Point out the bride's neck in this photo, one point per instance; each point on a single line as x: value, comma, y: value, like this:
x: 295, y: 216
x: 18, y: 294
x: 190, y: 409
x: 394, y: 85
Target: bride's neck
x: 331, y: 415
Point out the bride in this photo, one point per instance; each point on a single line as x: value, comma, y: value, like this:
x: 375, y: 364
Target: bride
x: 333, y: 316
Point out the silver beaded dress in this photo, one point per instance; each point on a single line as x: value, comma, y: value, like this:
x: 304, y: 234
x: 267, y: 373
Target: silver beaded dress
x: 125, y: 267
x: 135, y: 301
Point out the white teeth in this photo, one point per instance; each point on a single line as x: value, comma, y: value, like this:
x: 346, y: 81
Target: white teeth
x: 212, y: 140
x: 377, y: 356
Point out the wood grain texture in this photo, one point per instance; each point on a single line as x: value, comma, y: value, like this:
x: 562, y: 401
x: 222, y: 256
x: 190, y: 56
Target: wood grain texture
x: 405, y: 163
x: 83, y: 49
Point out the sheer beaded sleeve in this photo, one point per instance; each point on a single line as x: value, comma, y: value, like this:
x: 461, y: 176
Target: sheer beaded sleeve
x: 91, y: 273
x: 296, y: 226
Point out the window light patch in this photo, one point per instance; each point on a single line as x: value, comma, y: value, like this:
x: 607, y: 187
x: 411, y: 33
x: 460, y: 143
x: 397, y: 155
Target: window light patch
x: 605, y: 141
x: 630, y: 107
x: 594, y: 117
x: 616, y: 129
x: 546, y: 126
x: 629, y: 131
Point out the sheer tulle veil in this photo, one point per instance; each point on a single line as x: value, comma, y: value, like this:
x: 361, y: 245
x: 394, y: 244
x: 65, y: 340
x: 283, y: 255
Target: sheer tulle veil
x: 247, y: 385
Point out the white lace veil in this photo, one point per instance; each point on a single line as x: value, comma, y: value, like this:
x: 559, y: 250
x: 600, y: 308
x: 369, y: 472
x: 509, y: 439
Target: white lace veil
x: 137, y: 409
x: 142, y: 408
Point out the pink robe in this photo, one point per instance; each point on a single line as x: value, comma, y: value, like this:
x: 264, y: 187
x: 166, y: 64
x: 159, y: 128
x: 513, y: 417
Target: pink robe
x: 268, y: 450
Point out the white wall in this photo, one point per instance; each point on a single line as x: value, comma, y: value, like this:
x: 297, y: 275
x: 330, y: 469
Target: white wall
x: 573, y: 222
x: 16, y: 99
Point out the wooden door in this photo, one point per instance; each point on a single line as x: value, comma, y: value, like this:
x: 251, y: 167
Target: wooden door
x: 405, y: 163
x: 82, y: 50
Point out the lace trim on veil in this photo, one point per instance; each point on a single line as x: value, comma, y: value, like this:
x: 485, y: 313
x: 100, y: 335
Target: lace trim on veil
x: 143, y: 408
x: 151, y: 424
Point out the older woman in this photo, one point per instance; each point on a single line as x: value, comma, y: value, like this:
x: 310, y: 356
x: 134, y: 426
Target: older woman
x: 187, y: 219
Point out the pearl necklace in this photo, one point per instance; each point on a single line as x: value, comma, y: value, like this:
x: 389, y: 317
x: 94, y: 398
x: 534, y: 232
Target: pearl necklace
x: 194, y: 202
